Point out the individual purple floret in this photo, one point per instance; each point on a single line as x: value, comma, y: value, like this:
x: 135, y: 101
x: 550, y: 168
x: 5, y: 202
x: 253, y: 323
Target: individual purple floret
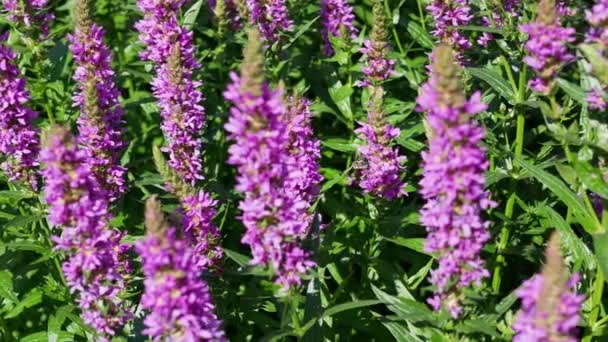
x: 177, y: 298
x: 96, y: 265
x: 550, y: 307
x: 379, y: 167
x: 31, y: 14
x: 19, y: 139
x: 275, y: 214
x: 453, y: 183
x: 448, y: 14
x: 337, y: 19
x: 596, y: 99
x: 169, y: 46
x: 100, y: 124
x: 271, y: 17
x: 198, y: 212
x: 378, y: 66
x: 547, y: 50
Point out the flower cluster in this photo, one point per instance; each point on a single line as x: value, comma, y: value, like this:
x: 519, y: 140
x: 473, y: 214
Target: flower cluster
x: 198, y: 212
x: 271, y: 17
x: 19, y: 139
x: 179, y: 301
x: 100, y: 124
x: 449, y: 14
x: 550, y: 306
x: 31, y: 14
x: 380, y: 165
x: 453, y: 182
x: 96, y: 266
x: 597, y: 18
x: 378, y: 67
x: 497, y: 17
x: 169, y: 46
x: 275, y: 214
x: 304, y: 148
x: 338, y: 21
x: 547, y: 50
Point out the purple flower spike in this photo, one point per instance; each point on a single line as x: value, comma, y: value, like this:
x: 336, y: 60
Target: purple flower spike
x: 96, y: 265
x: 550, y: 306
x: 304, y: 147
x: 597, y: 18
x: 453, y: 183
x: 378, y: 171
x: 274, y: 210
x: 198, y: 213
x: 19, y: 139
x: 30, y: 14
x: 547, y: 50
x: 169, y: 46
x: 449, y: 14
x: 179, y: 301
x: 338, y: 21
x: 100, y: 124
x: 378, y: 67
x: 271, y: 17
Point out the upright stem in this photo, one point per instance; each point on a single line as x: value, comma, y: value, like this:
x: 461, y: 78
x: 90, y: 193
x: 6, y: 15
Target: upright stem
x: 510, y: 206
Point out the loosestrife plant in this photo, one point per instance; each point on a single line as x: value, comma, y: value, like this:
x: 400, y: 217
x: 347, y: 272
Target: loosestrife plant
x: 330, y: 170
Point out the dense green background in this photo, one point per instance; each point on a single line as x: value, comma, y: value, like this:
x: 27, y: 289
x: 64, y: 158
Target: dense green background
x: 370, y: 283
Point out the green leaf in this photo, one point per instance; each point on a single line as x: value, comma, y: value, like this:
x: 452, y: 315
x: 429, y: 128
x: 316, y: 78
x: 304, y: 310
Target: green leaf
x: 192, y: 13
x: 416, y: 244
x: 7, y: 195
x: 600, y: 245
x: 574, y: 91
x: 340, y: 144
x: 340, y: 94
x: 599, y: 64
x: 477, y: 28
x: 495, y: 81
x: 22, y: 221
x: 31, y: 246
x: 408, y: 309
x: 32, y: 298
x: 62, y: 336
x: 350, y: 306
x: 585, y: 217
x: 240, y: 259
x: 592, y: 178
x: 419, y: 34
x: 6, y: 286
x: 56, y: 321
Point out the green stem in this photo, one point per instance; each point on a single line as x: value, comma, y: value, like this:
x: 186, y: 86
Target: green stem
x: 502, y: 245
x: 421, y: 13
x: 507, y: 67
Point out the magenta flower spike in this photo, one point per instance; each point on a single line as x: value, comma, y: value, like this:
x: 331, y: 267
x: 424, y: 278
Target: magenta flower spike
x: 379, y: 167
x: 177, y: 298
x: 274, y: 209
x: 550, y: 307
x: 100, y: 124
x: 96, y: 267
x: 338, y: 20
x: 378, y: 66
x: 30, y: 14
x: 19, y: 139
x: 546, y: 46
x: 453, y: 183
x: 448, y: 14
x: 169, y: 47
x: 271, y: 18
